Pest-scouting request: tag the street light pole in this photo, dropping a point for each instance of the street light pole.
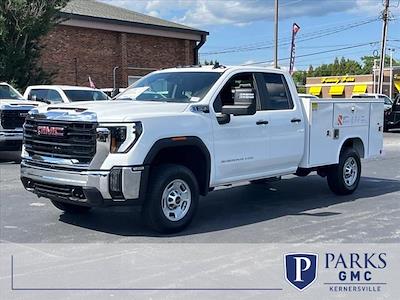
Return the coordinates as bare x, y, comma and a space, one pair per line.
276, 34
374, 74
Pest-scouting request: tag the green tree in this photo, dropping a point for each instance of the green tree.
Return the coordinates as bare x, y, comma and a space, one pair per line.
299, 77
22, 24
368, 63
210, 63
344, 67
337, 68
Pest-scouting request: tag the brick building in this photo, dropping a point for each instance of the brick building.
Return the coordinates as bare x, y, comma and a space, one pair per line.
98, 40
345, 86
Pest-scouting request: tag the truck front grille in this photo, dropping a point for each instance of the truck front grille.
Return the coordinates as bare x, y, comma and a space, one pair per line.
11, 119
67, 140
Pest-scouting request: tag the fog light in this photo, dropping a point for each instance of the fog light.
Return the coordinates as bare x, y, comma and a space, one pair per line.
78, 193
115, 183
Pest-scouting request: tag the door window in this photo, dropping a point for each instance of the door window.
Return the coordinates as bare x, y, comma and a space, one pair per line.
275, 92
41, 95
226, 95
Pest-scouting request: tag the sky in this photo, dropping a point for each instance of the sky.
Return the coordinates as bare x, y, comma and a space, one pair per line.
242, 31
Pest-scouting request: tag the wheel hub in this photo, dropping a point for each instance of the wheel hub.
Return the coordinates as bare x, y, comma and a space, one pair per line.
176, 200
350, 171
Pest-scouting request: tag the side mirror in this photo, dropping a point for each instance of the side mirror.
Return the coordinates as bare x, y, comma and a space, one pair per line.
244, 103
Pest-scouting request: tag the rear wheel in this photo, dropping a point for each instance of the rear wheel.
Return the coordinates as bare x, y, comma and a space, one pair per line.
344, 177
70, 208
172, 199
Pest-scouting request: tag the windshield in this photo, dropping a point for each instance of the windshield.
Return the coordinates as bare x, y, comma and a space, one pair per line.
7, 92
183, 87
84, 95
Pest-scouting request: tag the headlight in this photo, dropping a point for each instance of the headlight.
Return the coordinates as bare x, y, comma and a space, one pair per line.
121, 137
118, 137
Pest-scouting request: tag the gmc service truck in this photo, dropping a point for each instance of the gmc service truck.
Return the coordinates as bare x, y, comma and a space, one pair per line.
178, 133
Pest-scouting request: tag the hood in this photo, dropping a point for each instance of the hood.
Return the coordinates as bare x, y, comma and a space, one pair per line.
112, 111
12, 103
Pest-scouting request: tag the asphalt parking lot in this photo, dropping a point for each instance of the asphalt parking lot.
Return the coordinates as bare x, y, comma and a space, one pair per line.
293, 210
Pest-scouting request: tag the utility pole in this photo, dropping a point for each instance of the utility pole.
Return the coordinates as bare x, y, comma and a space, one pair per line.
385, 17
276, 34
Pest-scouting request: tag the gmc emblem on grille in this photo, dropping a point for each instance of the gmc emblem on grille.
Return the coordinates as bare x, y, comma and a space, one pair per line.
23, 114
50, 131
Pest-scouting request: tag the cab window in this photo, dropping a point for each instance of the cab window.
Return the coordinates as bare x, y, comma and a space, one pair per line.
275, 92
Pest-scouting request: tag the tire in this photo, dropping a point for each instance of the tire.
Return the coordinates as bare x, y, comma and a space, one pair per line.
70, 208
343, 182
172, 198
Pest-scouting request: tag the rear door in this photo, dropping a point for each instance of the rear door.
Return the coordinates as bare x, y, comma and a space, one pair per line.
285, 130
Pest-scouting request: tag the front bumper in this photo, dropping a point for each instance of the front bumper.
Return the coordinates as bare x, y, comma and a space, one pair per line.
11, 140
82, 187
16, 135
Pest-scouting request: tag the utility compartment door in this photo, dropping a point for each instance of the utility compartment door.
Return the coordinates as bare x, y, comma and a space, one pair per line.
322, 145
351, 114
375, 146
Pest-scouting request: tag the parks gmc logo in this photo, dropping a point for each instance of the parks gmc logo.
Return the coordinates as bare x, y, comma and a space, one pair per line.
50, 131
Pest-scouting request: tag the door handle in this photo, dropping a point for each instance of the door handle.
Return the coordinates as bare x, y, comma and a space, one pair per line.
262, 122
294, 120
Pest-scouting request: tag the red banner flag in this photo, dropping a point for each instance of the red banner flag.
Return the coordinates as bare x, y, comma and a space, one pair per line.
296, 28
91, 83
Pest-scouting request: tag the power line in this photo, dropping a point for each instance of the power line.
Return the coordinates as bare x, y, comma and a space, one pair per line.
313, 53
310, 36
304, 32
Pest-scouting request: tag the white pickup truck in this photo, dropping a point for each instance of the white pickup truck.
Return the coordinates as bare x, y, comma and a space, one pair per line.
13, 110
178, 133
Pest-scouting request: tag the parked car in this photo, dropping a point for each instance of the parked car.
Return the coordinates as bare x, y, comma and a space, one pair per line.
13, 110
178, 133
63, 94
307, 96
388, 101
392, 116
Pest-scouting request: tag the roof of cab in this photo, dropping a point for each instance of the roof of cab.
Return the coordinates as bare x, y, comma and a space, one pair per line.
220, 69
62, 87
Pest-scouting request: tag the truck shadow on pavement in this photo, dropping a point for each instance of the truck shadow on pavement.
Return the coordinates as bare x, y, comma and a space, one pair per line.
240, 206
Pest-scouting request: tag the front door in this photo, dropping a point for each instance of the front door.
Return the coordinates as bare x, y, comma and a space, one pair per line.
240, 144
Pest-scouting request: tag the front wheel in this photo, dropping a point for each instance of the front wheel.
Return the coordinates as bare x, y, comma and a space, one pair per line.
172, 199
344, 177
